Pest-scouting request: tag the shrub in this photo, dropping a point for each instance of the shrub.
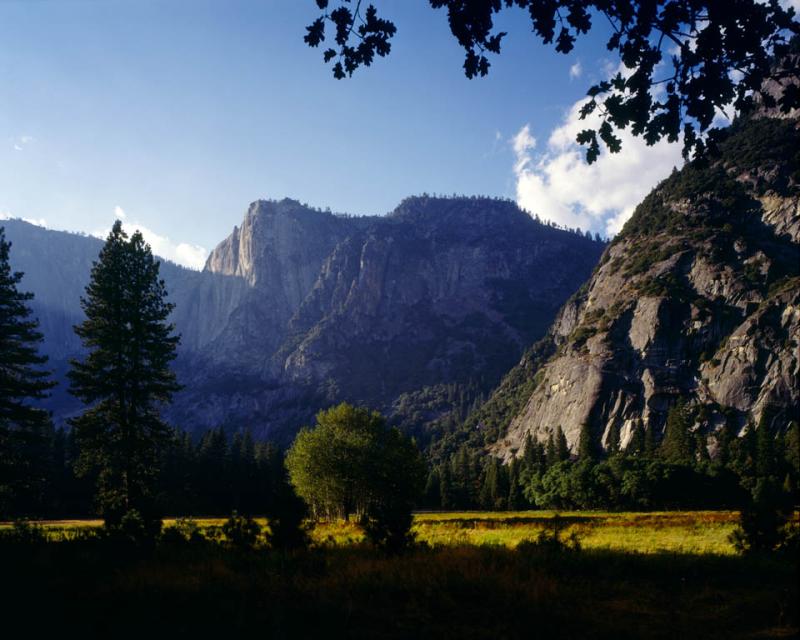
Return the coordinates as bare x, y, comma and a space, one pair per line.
551, 540
185, 530
133, 528
388, 526
241, 532
24, 532
288, 528
764, 521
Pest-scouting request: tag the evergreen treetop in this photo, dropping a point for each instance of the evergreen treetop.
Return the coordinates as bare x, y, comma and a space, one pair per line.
677, 444
23, 427
125, 377
21, 378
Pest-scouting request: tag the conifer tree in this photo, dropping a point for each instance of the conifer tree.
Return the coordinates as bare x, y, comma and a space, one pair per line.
445, 487
677, 444
586, 446
700, 448
24, 429
765, 450
124, 379
489, 490
432, 494
637, 444
550, 456
562, 449
514, 493
792, 445
613, 440
649, 441
723, 439
529, 458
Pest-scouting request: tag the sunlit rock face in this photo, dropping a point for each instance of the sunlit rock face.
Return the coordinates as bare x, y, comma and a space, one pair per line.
697, 299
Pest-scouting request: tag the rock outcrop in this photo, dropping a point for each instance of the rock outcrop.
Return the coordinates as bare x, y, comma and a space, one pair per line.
696, 299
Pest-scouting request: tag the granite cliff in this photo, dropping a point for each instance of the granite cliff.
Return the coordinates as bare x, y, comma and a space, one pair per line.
415, 313
698, 299
395, 312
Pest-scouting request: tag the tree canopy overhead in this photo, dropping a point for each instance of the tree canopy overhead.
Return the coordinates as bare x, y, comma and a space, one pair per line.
682, 61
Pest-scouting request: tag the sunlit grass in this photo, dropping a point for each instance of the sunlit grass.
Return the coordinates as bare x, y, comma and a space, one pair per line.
649, 532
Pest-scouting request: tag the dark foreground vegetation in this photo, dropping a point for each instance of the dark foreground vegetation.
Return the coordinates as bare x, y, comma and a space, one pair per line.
544, 588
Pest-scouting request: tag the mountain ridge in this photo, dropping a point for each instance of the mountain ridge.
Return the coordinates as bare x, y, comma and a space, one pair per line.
709, 260
298, 308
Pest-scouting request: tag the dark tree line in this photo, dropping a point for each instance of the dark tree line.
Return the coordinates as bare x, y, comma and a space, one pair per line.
213, 475
218, 474
676, 472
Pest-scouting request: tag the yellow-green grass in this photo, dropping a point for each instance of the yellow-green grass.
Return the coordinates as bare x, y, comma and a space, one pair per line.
650, 532
696, 532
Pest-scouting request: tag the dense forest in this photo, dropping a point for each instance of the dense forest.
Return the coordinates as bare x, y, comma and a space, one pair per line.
220, 473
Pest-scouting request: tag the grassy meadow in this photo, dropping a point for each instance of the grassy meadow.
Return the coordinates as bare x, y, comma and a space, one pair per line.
478, 575
693, 532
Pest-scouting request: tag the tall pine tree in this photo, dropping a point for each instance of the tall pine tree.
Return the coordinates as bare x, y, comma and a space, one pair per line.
124, 379
587, 449
562, 448
24, 429
613, 444
677, 444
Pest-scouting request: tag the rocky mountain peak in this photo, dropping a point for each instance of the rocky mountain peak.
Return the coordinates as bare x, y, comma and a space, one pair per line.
276, 236
695, 300
461, 215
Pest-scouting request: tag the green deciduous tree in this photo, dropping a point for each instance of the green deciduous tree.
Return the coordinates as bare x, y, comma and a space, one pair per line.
681, 61
24, 429
124, 378
351, 463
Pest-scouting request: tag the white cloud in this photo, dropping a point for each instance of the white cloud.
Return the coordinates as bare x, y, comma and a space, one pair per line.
522, 143
576, 70
558, 184
19, 142
183, 253
39, 222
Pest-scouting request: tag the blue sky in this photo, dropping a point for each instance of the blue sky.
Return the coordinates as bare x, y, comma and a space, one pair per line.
175, 114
